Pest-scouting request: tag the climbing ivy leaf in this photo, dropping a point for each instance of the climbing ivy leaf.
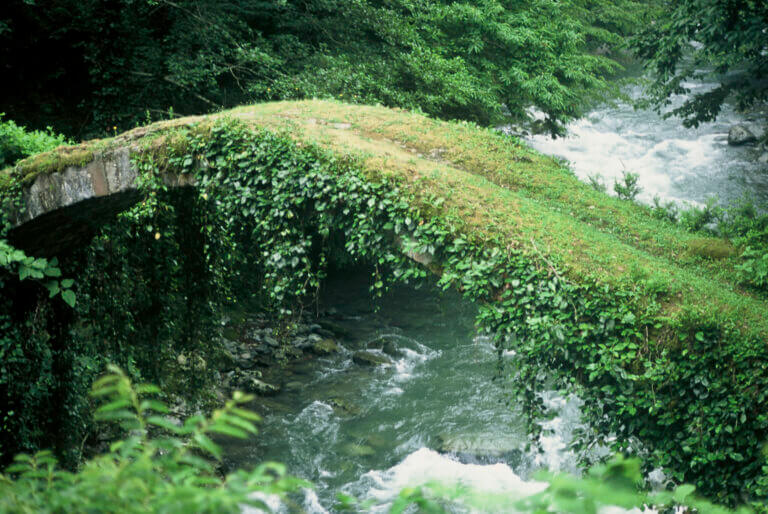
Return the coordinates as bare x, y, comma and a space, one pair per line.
69, 297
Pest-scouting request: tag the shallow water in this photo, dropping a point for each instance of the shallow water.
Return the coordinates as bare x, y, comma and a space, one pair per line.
370, 432
674, 163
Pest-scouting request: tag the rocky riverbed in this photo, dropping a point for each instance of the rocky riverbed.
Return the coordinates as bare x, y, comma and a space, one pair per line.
260, 356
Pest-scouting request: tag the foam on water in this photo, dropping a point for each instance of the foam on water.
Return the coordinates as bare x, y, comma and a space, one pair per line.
425, 466
674, 163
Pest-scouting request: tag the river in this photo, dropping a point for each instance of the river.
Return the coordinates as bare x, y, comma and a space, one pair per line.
685, 165
437, 414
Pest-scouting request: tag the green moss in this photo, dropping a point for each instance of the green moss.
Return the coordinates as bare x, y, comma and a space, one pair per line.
52, 162
714, 249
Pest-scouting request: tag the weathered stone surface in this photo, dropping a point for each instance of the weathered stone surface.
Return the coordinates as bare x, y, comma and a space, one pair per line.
740, 135
65, 208
325, 347
385, 345
371, 358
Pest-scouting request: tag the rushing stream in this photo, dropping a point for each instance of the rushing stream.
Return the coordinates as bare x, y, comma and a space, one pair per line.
674, 163
436, 414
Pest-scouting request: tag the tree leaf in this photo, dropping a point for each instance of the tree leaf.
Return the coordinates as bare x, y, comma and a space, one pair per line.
69, 297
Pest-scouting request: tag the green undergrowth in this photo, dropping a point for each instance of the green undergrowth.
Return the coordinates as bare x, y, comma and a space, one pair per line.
591, 293
160, 464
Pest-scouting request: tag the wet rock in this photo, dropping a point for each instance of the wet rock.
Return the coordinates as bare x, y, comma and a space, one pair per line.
763, 159
335, 328
264, 405
357, 450
263, 349
291, 352
231, 333
370, 358
325, 333
325, 347
294, 386
740, 135
342, 406
385, 345
271, 341
244, 361
249, 382
303, 344
482, 448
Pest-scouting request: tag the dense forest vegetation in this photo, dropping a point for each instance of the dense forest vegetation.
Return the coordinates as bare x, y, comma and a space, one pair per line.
104, 64
152, 285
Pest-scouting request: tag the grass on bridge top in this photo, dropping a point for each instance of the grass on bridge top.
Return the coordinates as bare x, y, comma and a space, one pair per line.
497, 191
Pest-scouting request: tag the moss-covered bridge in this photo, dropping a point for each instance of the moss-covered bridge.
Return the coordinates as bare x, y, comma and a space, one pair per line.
493, 185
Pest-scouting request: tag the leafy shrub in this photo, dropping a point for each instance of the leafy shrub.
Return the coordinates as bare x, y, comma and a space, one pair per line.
596, 181
754, 268
160, 466
17, 143
628, 188
668, 211
696, 218
456, 60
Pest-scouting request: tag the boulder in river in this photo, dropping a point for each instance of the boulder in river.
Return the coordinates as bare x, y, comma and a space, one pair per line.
385, 345
371, 358
483, 448
740, 135
342, 406
357, 450
763, 159
249, 382
325, 347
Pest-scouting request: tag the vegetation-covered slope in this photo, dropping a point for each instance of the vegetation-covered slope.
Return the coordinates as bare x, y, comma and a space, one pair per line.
102, 64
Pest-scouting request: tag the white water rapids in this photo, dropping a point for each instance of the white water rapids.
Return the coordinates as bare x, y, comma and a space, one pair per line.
685, 165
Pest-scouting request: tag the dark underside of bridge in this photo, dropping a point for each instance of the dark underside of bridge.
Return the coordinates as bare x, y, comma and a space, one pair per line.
66, 229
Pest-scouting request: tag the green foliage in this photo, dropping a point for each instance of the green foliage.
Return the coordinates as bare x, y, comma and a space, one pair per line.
748, 229
628, 188
47, 272
456, 60
16, 142
52, 354
596, 182
742, 224
160, 466
27, 360
730, 38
